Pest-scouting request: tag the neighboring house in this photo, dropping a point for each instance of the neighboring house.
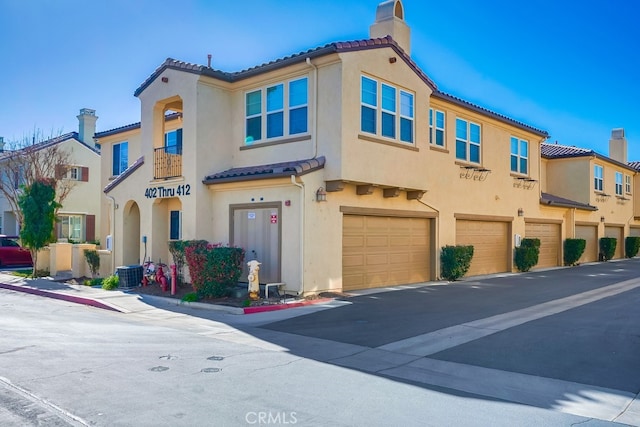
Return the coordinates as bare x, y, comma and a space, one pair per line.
80, 212
595, 191
342, 167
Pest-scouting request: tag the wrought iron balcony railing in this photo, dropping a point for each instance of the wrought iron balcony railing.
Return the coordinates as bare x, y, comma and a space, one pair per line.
167, 162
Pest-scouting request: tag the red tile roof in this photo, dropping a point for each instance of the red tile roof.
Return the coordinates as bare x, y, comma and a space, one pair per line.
274, 170
124, 174
554, 151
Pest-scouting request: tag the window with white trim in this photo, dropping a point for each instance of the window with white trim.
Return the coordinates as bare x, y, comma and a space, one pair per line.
74, 173
618, 183
627, 184
379, 103
436, 127
598, 182
120, 158
467, 141
519, 155
71, 227
276, 111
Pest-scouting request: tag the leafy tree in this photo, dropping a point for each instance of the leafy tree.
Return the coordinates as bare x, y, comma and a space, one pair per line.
34, 158
38, 206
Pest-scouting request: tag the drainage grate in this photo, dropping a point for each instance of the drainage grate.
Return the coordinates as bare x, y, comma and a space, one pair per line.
159, 369
210, 370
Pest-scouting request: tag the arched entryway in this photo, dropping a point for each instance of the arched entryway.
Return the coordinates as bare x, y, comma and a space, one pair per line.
131, 234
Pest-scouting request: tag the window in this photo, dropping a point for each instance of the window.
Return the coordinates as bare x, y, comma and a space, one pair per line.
627, 184
618, 183
394, 110
272, 116
70, 227
175, 227
173, 142
74, 173
519, 155
120, 158
467, 141
436, 127
597, 178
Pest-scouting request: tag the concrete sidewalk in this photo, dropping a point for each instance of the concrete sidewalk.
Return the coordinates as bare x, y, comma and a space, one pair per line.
122, 300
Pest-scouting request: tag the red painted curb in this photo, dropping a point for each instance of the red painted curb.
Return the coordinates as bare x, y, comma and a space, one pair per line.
275, 307
63, 297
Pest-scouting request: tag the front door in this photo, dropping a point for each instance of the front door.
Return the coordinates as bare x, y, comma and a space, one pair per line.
257, 231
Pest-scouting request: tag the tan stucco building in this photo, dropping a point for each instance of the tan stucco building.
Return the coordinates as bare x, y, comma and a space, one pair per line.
80, 214
343, 167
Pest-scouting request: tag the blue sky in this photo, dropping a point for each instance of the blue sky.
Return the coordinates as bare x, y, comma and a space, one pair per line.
568, 68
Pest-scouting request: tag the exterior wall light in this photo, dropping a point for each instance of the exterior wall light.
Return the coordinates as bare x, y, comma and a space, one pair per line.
321, 195
520, 212
601, 219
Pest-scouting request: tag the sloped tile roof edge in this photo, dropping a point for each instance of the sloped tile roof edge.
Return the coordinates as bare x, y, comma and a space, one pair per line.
635, 165
124, 175
131, 126
49, 142
268, 171
487, 112
552, 200
558, 151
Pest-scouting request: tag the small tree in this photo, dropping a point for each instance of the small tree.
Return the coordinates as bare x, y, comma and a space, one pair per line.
93, 259
38, 206
608, 247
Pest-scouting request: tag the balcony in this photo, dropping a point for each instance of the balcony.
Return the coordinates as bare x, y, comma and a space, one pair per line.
167, 162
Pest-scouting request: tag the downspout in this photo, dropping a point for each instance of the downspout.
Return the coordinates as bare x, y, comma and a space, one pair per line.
112, 232
315, 108
437, 227
302, 221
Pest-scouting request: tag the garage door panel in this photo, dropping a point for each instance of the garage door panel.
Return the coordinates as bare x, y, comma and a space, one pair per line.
490, 242
590, 235
550, 238
385, 251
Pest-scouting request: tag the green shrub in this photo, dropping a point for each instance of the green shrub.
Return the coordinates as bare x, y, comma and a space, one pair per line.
526, 255
607, 247
190, 297
455, 261
176, 248
93, 259
93, 282
573, 250
214, 269
631, 246
110, 283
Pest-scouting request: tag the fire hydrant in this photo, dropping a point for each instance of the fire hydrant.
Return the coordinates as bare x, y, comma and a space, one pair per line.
254, 281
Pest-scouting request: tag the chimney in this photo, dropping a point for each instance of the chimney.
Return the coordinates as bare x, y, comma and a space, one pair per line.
390, 22
87, 128
618, 146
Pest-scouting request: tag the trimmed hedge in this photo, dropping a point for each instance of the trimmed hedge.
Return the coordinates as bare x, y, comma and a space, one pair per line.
631, 246
607, 247
573, 250
455, 261
214, 269
527, 254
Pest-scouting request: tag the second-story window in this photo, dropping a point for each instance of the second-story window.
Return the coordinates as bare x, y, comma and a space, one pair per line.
519, 155
120, 158
597, 178
436, 127
467, 141
379, 104
618, 183
271, 116
627, 184
173, 142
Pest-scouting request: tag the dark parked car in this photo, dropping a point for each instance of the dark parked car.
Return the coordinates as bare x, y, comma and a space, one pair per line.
12, 254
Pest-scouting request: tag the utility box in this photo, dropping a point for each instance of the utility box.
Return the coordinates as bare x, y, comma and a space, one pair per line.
130, 276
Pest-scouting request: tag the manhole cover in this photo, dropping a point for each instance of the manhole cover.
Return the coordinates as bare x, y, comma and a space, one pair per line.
159, 369
168, 357
215, 358
210, 370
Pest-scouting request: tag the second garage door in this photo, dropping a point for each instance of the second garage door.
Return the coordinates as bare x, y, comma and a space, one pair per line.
490, 240
383, 251
590, 234
618, 234
549, 235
